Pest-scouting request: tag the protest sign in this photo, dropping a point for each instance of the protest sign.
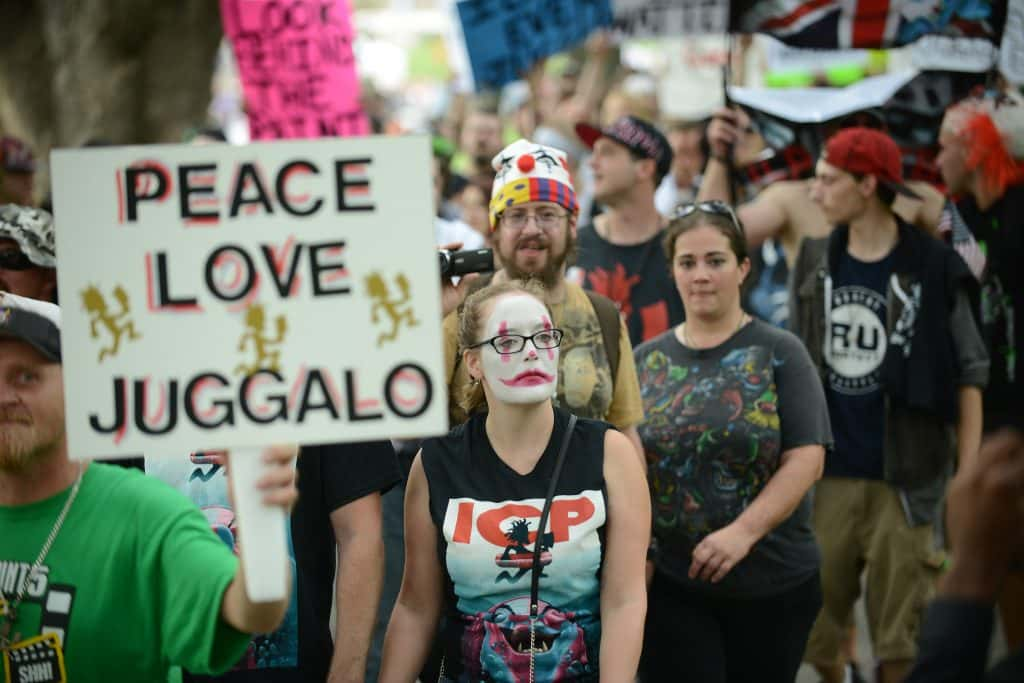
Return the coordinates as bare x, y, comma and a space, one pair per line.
691, 86
297, 67
645, 18
505, 40
945, 53
816, 105
223, 297
1011, 50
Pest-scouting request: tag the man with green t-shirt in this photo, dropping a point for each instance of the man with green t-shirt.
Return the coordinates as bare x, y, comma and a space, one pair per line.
105, 574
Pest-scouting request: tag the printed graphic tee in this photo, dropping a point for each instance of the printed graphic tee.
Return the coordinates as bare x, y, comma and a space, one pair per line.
133, 581
768, 298
486, 515
1000, 233
329, 477
855, 345
635, 277
717, 423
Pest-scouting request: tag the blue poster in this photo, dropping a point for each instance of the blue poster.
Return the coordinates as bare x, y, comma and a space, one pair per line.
504, 40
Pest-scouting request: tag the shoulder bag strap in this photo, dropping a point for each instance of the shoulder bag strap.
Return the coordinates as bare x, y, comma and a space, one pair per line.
535, 578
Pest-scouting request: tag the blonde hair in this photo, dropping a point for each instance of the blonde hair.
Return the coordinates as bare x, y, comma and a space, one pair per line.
471, 319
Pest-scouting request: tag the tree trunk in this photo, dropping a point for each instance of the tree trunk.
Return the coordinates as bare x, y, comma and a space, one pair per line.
114, 71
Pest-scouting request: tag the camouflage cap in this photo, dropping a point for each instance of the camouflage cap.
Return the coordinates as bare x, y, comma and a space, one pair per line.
32, 229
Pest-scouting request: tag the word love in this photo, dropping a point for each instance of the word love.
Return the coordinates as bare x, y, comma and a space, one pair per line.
231, 273
208, 192
209, 400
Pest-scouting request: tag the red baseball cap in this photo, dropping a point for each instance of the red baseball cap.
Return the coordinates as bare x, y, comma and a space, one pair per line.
866, 151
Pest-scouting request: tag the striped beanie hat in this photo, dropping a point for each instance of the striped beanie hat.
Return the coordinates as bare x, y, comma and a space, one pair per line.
528, 172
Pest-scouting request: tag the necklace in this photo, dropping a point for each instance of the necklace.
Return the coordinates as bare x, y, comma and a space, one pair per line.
686, 331
11, 604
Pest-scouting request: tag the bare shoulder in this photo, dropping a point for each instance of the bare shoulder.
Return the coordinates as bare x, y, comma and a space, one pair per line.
619, 455
786, 189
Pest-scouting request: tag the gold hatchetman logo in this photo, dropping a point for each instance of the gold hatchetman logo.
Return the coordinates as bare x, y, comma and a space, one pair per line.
395, 309
102, 318
266, 350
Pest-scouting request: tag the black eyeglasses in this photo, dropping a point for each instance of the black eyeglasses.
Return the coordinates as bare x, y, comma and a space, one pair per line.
507, 344
713, 207
13, 259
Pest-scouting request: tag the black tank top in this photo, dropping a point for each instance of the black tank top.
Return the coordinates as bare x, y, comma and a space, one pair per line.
486, 515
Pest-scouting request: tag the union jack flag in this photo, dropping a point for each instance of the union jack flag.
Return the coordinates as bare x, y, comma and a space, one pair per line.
842, 24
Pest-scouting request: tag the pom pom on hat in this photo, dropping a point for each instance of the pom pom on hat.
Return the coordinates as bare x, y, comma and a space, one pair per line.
528, 172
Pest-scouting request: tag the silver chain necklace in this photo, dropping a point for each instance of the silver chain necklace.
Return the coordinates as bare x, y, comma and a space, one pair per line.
689, 342
11, 609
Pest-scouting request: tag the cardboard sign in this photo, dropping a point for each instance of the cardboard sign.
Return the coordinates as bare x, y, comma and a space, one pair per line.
223, 297
644, 18
505, 40
297, 67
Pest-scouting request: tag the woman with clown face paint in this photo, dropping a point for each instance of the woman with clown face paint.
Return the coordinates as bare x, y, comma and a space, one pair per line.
472, 510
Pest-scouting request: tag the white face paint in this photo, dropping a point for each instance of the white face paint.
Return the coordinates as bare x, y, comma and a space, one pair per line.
530, 375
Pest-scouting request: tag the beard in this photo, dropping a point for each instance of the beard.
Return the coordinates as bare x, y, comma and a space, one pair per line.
550, 273
22, 441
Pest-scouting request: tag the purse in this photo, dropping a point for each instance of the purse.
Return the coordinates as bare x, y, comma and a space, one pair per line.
536, 568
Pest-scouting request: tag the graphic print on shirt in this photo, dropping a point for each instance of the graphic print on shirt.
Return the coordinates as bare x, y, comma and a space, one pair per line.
617, 285
489, 557
204, 482
37, 653
768, 299
855, 342
712, 437
585, 383
997, 307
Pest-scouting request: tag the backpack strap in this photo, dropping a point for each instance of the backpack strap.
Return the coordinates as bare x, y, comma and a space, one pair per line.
611, 327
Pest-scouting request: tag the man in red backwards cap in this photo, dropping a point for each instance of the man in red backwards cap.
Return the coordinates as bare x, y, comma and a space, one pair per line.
885, 312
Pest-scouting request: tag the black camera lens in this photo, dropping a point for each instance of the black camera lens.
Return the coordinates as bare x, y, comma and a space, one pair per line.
457, 263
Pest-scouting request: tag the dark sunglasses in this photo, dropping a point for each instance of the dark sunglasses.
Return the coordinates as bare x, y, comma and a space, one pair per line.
713, 207
13, 259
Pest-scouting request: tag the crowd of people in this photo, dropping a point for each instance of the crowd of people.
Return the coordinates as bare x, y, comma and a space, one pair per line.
694, 420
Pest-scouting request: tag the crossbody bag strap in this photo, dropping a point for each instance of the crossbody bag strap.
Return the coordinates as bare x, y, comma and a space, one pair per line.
535, 575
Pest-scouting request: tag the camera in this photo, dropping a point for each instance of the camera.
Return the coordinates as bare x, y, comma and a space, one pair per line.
457, 263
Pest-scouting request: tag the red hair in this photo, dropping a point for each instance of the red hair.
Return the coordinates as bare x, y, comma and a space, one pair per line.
988, 155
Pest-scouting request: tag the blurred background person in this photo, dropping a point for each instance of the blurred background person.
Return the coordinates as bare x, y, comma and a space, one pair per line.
28, 256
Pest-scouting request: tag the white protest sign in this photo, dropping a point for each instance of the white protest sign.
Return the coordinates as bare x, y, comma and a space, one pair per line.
816, 105
1011, 50
226, 297
948, 53
691, 87
645, 18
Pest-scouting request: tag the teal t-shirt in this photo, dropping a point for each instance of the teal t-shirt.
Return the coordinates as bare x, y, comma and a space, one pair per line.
131, 587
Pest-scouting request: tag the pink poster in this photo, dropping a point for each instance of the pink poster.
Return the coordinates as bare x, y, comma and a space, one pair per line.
297, 66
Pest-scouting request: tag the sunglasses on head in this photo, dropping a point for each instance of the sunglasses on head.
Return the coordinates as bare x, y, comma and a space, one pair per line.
13, 259
713, 207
